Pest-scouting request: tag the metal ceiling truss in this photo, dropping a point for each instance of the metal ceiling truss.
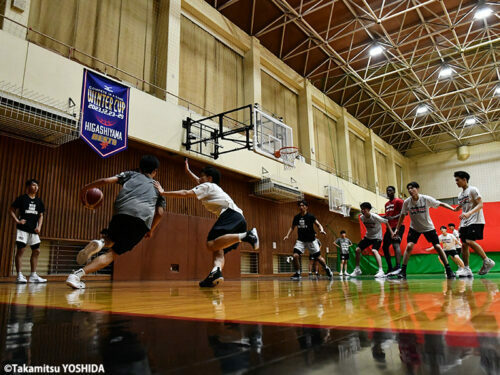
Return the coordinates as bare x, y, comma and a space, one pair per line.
418, 38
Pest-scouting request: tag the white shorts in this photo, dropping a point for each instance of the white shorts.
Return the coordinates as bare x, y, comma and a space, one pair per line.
26, 238
312, 246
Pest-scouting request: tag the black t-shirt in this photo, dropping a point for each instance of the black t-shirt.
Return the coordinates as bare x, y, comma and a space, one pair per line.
29, 210
305, 227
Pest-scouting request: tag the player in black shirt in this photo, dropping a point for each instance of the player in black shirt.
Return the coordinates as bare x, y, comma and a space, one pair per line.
27, 211
304, 222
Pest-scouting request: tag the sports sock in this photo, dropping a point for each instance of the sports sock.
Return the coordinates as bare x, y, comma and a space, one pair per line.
403, 268
215, 269
242, 235
80, 272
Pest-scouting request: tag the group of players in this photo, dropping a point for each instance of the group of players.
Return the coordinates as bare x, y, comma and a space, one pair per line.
417, 206
140, 204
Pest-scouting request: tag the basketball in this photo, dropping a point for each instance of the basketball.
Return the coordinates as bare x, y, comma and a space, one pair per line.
94, 198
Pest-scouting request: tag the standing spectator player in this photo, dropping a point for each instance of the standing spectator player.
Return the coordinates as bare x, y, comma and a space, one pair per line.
343, 243
471, 223
27, 211
393, 209
449, 244
454, 231
304, 221
418, 205
373, 237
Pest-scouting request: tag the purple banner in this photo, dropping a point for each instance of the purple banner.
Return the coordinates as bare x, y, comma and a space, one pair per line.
104, 114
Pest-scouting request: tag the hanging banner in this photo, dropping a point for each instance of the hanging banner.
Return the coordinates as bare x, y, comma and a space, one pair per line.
104, 114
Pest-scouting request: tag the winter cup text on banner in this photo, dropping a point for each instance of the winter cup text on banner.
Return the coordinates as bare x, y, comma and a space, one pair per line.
104, 116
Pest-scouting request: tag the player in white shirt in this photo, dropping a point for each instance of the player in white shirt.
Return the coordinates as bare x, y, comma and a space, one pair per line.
471, 223
418, 205
230, 228
449, 243
373, 237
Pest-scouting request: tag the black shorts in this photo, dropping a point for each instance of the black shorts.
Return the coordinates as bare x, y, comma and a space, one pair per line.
344, 256
230, 222
389, 240
365, 242
125, 231
430, 236
471, 232
452, 253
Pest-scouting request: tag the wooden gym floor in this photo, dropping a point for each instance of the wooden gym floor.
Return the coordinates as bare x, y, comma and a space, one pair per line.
423, 325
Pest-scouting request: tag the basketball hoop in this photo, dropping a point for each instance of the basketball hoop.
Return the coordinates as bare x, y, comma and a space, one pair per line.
346, 210
287, 155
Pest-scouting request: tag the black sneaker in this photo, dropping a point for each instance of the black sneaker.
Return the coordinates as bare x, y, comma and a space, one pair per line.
296, 276
252, 238
214, 278
402, 275
450, 274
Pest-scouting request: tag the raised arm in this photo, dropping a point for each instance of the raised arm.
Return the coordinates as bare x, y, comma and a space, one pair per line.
321, 230
194, 177
97, 183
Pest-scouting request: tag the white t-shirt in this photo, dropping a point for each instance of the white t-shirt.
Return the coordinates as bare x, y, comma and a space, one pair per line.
467, 199
373, 226
449, 241
420, 220
214, 198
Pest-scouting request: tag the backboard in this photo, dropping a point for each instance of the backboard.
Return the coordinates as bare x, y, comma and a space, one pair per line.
270, 135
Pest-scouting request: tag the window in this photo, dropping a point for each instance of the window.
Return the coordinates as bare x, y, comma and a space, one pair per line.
249, 263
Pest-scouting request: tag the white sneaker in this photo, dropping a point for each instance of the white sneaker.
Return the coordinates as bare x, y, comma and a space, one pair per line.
74, 282
380, 274
356, 272
34, 278
92, 247
488, 264
341, 273
461, 272
21, 279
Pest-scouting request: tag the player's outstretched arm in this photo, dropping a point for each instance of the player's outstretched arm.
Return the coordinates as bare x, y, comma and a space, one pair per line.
176, 193
95, 184
194, 177
446, 205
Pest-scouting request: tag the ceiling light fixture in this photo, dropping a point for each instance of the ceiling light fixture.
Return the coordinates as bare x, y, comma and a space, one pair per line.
482, 12
376, 50
445, 72
469, 121
421, 109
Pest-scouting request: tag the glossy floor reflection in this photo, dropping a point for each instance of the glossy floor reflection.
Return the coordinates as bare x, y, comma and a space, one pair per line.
259, 326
